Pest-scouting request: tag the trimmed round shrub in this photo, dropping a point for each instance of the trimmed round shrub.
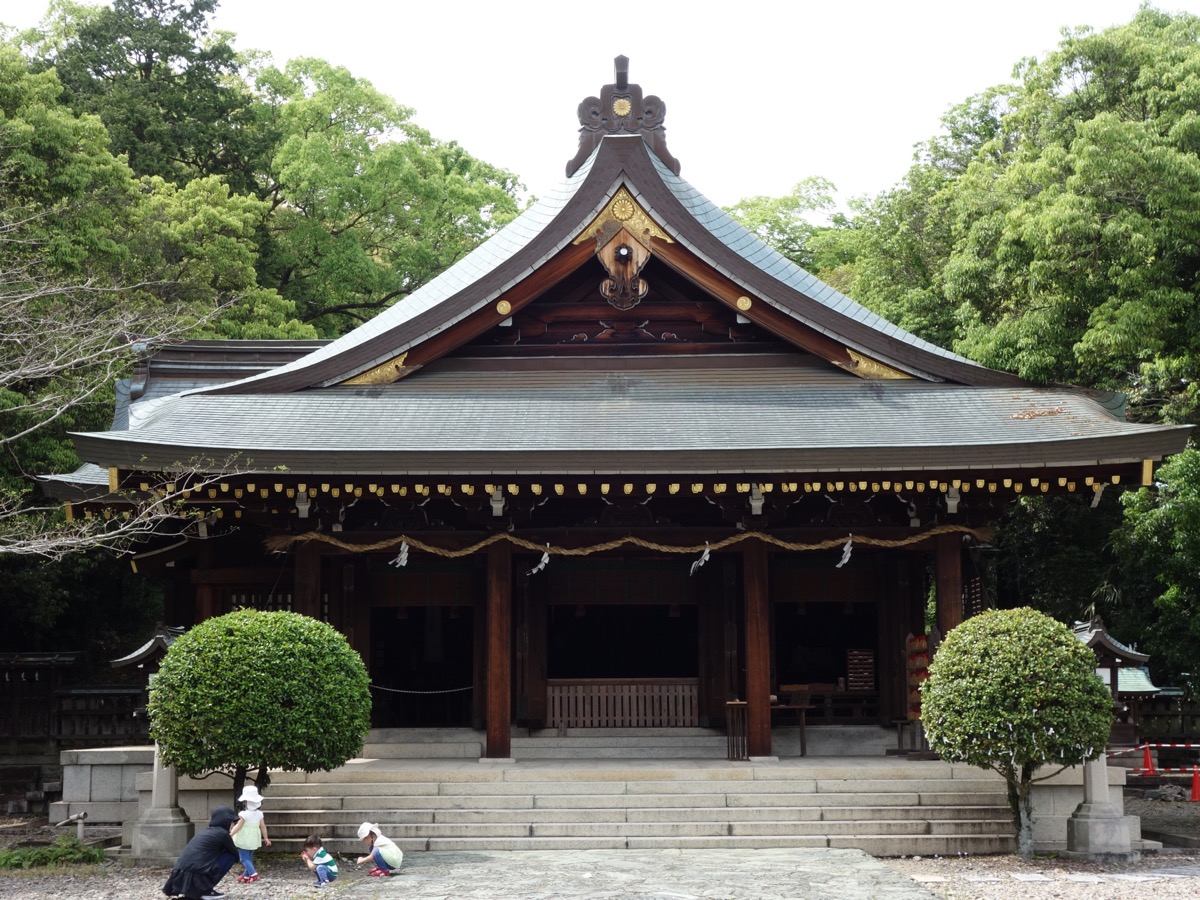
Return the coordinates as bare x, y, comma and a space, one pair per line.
259, 690
1012, 691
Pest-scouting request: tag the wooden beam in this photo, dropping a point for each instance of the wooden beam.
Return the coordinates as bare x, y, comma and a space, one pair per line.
499, 651
238, 575
758, 649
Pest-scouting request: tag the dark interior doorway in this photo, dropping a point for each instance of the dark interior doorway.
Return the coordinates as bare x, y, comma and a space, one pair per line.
813, 641
611, 641
421, 666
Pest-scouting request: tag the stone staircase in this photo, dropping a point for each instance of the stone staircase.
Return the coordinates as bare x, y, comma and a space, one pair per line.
584, 791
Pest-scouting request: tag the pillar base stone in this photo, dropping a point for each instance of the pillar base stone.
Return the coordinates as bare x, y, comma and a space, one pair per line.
1097, 831
162, 833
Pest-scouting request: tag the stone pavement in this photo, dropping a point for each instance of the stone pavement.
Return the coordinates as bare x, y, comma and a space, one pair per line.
794, 874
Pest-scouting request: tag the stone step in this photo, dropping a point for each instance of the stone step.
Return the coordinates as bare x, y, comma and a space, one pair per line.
529, 815
592, 802
591, 769
464, 750
696, 751
635, 741
380, 804
569, 785
876, 845
603, 829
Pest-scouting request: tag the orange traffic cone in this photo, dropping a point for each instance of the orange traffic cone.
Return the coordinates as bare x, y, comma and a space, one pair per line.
1147, 762
1195, 783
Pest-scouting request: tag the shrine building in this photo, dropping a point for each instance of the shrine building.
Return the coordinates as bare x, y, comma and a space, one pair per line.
620, 465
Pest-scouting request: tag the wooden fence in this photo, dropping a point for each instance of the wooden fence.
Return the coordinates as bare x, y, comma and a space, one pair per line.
76, 715
622, 702
1172, 719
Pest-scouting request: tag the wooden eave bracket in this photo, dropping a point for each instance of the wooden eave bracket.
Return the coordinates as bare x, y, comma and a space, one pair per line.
384, 373
870, 369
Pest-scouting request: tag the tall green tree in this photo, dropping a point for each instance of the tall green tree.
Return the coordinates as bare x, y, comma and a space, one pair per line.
1076, 255
905, 236
365, 206
1160, 537
166, 87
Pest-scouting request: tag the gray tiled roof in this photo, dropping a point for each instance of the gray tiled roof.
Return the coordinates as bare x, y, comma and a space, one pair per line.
811, 417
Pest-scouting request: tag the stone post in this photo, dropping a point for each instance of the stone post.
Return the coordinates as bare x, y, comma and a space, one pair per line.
163, 830
1097, 830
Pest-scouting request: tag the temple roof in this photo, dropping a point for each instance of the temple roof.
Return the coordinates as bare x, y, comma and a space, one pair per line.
153, 650
828, 387
1107, 648
553, 224
745, 416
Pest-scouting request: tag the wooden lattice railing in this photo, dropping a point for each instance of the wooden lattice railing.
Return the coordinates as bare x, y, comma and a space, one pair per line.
622, 702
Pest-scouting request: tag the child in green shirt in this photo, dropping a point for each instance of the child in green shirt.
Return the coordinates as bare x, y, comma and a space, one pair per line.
319, 861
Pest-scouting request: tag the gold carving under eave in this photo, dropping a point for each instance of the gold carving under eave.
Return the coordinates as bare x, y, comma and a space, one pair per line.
865, 367
384, 373
623, 211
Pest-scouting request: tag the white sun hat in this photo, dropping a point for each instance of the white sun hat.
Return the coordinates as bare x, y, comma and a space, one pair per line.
251, 795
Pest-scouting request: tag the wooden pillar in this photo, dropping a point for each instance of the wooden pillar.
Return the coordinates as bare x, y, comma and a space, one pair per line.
206, 602
949, 582
758, 649
306, 589
205, 596
499, 651
479, 651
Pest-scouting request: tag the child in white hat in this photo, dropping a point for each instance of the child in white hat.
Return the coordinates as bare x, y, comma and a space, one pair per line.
382, 851
249, 833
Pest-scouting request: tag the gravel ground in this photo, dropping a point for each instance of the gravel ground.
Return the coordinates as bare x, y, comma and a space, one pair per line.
1170, 874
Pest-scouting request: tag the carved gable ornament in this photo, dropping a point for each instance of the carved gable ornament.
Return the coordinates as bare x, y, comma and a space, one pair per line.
622, 232
621, 109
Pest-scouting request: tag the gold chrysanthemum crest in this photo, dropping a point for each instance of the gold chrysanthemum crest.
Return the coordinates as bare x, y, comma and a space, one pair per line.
622, 211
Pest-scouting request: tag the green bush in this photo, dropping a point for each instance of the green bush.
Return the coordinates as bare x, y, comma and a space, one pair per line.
259, 690
64, 851
1013, 691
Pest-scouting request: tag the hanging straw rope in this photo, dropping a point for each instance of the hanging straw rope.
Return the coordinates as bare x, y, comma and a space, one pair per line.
283, 542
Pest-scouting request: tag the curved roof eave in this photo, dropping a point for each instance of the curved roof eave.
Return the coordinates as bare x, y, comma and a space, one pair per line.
518, 249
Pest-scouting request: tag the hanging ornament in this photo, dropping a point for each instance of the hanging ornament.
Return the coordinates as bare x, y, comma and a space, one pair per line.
542, 563
402, 557
701, 561
846, 548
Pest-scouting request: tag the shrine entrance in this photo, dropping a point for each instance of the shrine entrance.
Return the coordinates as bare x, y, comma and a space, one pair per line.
426, 632
616, 641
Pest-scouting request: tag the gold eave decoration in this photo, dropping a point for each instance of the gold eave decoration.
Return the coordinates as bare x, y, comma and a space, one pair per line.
384, 373
622, 211
865, 367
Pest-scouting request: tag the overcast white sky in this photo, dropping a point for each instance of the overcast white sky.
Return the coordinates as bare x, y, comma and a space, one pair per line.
759, 94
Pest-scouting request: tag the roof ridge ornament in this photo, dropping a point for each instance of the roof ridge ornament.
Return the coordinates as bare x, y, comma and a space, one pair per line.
621, 109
